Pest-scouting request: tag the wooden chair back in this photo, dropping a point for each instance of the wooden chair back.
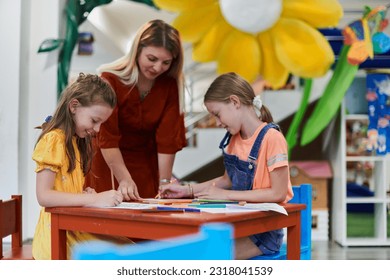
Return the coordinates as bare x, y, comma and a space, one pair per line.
11, 225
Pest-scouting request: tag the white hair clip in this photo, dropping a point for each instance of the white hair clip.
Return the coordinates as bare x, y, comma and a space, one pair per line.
257, 103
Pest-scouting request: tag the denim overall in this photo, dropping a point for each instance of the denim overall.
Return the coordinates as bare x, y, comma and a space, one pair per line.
241, 174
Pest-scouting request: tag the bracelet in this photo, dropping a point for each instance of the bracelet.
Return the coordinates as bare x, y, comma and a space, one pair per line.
165, 181
191, 191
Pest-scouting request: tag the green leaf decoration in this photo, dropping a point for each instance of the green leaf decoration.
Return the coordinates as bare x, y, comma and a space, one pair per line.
291, 136
50, 44
330, 100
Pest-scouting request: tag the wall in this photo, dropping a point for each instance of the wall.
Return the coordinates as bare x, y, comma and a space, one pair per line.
28, 93
10, 14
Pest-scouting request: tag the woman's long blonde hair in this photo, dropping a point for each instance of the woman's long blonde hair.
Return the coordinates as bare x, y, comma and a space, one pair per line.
155, 33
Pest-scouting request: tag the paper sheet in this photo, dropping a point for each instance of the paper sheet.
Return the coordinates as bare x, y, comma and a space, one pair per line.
134, 206
234, 208
230, 208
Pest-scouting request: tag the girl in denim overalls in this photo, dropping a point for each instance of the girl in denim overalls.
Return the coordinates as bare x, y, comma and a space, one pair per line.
255, 158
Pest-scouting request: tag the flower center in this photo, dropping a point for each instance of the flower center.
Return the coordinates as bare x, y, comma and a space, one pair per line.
252, 17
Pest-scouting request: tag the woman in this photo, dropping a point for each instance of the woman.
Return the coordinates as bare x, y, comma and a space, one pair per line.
138, 143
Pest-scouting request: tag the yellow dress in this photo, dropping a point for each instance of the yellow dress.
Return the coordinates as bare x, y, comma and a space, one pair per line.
50, 154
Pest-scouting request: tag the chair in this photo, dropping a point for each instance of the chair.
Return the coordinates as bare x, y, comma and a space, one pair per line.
11, 224
213, 242
302, 194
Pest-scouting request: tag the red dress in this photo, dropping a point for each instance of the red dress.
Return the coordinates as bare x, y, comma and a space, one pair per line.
140, 129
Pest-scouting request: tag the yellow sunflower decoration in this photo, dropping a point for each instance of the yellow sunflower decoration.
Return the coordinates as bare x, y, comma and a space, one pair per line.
258, 37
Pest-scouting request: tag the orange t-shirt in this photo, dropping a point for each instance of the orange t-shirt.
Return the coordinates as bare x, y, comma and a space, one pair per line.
273, 154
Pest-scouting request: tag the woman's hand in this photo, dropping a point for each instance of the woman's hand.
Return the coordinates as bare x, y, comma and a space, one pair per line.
174, 190
129, 190
127, 186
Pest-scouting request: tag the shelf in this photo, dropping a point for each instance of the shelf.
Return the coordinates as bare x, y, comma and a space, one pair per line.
371, 199
361, 185
361, 117
366, 158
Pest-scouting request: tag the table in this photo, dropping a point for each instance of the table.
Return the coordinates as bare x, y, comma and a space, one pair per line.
138, 224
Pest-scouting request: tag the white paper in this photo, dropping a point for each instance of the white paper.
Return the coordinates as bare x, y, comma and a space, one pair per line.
248, 207
262, 207
134, 206
230, 208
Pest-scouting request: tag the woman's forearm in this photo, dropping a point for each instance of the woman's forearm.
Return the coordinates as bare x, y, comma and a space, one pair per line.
115, 162
165, 165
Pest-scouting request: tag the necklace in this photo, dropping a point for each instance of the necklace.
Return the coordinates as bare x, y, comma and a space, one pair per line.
144, 93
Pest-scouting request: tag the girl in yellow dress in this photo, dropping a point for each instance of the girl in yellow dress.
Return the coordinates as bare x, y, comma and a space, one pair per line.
63, 155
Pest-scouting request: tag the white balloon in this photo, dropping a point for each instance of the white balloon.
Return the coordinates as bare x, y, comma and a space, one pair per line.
251, 16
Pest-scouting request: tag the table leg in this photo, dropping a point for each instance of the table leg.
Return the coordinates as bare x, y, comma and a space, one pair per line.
294, 239
58, 239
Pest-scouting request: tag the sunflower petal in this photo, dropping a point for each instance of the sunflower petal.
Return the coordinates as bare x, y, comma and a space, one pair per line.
207, 48
194, 23
302, 49
318, 13
181, 5
240, 53
271, 68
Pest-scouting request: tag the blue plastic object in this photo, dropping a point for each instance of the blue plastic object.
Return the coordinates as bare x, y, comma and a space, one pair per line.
303, 195
213, 242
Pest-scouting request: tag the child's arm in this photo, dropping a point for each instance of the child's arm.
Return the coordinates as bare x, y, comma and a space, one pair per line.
277, 192
47, 197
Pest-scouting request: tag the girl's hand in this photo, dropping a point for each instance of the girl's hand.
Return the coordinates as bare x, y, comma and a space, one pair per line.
129, 190
89, 190
107, 199
212, 192
174, 190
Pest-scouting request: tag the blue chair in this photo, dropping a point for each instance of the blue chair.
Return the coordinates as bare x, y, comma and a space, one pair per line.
302, 194
213, 242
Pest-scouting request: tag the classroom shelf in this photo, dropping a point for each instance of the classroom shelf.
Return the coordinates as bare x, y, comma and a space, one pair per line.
359, 220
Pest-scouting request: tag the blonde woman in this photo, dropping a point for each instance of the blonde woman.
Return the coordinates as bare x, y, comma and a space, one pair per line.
138, 143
